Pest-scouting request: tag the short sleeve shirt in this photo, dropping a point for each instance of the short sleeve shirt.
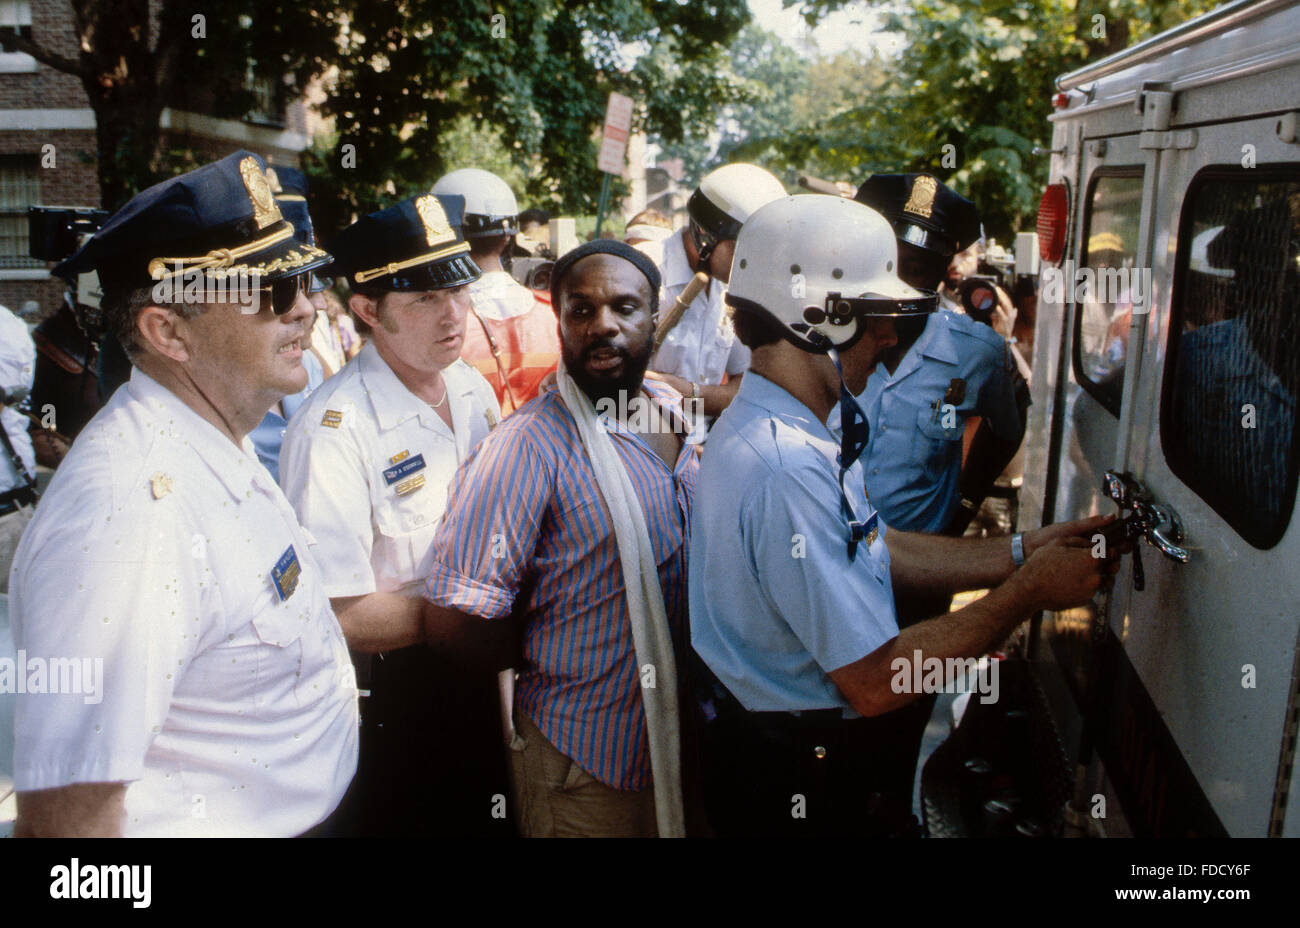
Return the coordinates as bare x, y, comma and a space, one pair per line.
703, 345
198, 658
776, 603
913, 457
366, 464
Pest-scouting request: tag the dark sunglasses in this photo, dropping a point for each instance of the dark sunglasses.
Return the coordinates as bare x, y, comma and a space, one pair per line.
284, 293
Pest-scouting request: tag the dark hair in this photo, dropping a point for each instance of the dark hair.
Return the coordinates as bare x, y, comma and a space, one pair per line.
374, 293
539, 216
756, 328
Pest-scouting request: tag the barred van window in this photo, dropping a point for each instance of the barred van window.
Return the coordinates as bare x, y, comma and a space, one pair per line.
1110, 244
1228, 423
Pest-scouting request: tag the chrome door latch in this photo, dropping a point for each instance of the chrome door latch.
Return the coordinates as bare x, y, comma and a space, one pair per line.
1158, 523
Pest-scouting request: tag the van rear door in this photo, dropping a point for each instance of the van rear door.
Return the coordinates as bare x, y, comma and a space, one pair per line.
1213, 438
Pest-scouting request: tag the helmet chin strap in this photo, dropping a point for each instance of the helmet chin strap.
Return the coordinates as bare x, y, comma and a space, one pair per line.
703, 250
854, 433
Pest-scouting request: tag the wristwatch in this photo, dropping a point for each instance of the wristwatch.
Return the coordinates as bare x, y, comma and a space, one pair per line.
695, 390
1018, 549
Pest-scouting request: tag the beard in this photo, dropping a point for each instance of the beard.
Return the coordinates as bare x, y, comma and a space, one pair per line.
600, 386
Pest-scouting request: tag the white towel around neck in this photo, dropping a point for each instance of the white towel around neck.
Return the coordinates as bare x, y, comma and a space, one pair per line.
651, 636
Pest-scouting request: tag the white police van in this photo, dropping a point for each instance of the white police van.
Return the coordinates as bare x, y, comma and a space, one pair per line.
1166, 380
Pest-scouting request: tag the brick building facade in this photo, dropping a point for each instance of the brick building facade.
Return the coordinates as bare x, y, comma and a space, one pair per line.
48, 150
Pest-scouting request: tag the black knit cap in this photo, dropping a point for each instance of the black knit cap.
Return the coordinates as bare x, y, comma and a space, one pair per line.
605, 246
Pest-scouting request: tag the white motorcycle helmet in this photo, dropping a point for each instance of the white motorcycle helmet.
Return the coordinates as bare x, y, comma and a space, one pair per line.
490, 204
725, 199
820, 265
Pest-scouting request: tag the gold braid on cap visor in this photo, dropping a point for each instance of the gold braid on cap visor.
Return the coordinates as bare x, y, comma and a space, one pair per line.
219, 258
362, 276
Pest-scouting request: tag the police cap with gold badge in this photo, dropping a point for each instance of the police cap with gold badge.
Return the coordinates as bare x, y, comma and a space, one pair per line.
924, 211
219, 220
415, 245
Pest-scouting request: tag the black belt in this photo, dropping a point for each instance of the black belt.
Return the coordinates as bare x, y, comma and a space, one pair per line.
15, 498
726, 708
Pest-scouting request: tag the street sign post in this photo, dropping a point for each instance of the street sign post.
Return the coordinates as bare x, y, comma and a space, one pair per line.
613, 147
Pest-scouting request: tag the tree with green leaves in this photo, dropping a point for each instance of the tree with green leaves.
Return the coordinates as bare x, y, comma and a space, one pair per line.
136, 57
398, 76
969, 96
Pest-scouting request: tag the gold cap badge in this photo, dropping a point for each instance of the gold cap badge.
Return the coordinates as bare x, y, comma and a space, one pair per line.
265, 211
436, 227
921, 200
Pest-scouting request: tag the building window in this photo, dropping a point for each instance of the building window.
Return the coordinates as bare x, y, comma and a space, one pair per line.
16, 19
20, 187
1228, 414
1114, 205
268, 107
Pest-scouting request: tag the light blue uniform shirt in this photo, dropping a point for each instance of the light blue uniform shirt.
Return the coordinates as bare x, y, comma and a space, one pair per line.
776, 604
269, 434
913, 457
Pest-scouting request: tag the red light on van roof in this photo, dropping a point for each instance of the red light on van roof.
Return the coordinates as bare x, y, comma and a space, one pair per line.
1060, 101
1053, 219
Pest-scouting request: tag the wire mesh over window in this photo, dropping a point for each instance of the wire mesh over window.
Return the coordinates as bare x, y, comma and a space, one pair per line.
20, 187
1110, 244
1229, 411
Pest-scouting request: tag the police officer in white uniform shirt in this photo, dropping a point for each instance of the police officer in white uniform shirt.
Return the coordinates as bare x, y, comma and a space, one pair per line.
366, 463
701, 347
185, 674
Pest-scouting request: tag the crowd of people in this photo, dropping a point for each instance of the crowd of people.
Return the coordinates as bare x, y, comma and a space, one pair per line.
631, 553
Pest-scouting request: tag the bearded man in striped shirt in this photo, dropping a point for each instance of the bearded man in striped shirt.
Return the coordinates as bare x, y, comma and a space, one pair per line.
569, 524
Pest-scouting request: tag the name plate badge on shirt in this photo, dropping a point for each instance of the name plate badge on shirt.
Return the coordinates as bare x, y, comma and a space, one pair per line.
403, 466
873, 530
285, 574
410, 486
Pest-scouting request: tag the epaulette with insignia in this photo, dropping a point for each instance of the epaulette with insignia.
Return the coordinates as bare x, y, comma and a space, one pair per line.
332, 418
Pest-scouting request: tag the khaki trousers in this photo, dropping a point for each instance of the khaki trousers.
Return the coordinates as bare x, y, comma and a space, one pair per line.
11, 530
555, 798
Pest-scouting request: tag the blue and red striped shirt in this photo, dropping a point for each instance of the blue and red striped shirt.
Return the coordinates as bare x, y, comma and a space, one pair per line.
525, 514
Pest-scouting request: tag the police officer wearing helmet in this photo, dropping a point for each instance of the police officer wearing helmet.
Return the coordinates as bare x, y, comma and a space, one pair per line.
794, 621
366, 463
701, 348
511, 339
164, 552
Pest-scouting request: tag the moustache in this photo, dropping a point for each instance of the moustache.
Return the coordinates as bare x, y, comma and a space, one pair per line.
603, 346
